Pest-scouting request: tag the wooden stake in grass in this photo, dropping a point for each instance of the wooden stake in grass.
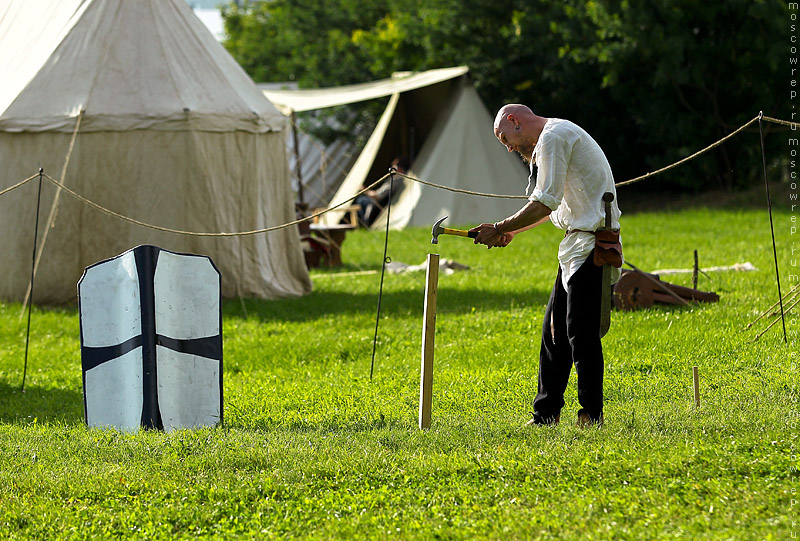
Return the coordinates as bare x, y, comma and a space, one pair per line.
428, 332
696, 378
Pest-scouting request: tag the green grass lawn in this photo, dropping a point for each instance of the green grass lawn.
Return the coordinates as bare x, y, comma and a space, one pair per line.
311, 448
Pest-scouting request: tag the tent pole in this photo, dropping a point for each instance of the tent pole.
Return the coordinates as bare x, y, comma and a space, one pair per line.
771, 226
383, 270
33, 267
297, 165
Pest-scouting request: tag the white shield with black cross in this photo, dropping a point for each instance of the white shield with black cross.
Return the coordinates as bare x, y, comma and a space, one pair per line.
151, 341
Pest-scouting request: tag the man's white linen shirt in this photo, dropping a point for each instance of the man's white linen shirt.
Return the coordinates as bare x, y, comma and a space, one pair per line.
573, 174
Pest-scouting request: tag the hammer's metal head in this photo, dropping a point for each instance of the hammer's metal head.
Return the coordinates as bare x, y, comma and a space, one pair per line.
437, 230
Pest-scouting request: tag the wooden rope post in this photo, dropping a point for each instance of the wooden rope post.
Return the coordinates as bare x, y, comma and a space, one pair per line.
696, 378
428, 333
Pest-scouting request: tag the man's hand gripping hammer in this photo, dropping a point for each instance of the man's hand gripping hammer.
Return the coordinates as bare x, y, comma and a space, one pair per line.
439, 230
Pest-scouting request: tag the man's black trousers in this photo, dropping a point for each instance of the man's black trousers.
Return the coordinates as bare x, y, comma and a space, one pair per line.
571, 335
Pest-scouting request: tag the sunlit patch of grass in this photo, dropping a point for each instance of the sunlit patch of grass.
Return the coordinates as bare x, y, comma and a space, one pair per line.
311, 448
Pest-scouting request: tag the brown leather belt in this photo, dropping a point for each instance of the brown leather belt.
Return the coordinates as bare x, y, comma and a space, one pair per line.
571, 231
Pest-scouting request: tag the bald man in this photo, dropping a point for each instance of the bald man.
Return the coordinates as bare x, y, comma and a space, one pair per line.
572, 176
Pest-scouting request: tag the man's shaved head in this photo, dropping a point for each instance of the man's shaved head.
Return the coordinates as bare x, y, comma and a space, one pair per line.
518, 129
515, 109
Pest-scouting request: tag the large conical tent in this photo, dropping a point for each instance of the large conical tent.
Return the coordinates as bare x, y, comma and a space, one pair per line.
137, 107
437, 119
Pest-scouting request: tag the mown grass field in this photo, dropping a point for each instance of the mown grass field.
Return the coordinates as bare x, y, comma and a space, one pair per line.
311, 448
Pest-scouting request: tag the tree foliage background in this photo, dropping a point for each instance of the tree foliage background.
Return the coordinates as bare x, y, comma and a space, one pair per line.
651, 81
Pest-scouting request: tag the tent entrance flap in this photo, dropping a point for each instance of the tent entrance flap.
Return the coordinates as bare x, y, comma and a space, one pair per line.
437, 120
458, 151
358, 174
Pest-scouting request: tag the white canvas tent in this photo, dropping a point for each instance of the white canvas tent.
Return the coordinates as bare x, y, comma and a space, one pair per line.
437, 119
171, 132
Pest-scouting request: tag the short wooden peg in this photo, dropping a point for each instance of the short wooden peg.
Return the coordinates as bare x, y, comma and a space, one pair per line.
428, 333
696, 378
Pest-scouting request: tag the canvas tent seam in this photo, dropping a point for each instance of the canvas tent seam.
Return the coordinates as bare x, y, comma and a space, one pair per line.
170, 74
103, 60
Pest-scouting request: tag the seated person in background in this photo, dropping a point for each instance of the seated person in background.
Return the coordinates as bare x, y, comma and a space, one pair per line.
373, 201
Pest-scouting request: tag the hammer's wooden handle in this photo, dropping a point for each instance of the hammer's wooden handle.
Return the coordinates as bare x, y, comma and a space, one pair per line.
459, 232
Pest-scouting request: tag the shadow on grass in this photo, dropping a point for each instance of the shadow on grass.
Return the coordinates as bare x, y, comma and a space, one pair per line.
43, 405
318, 305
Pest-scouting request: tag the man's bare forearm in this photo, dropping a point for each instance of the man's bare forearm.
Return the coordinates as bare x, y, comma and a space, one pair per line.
531, 215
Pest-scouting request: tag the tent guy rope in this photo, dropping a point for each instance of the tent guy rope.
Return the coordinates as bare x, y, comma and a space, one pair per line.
37, 255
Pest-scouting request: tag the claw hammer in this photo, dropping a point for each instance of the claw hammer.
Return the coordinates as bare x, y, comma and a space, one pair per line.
439, 230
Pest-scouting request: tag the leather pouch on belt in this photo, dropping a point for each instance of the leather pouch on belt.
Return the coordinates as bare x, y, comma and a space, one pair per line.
607, 248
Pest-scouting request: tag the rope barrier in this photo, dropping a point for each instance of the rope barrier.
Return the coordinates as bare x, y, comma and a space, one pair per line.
458, 190
18, 184
794, 125
206, 234
693, 156
74, 194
